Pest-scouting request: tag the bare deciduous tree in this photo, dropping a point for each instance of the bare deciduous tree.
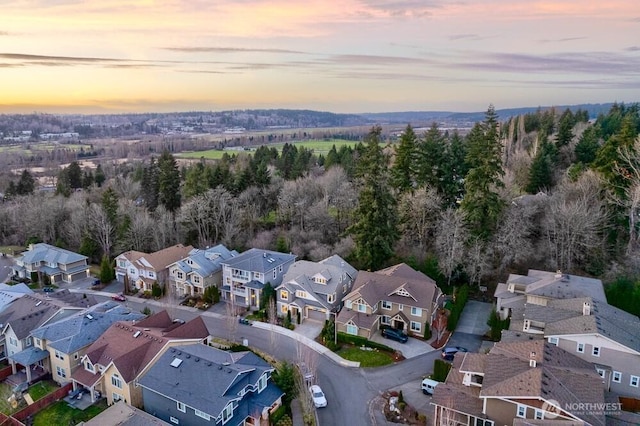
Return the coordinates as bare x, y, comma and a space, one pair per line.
451, 235
629, 167
419, 213
512, 240
476, 261
102, 229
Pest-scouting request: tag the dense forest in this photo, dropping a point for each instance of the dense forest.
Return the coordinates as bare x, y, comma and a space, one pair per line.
554, 190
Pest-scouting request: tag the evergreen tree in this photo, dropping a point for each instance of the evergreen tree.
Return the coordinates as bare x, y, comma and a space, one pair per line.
588, 145
110, 205
542, 168
149, 185
195, 182
454, 169
431, 155
26, 184
565, 128
106, 270
484, 156
375, 230
99, 176
608, 159
11, 191
74, 175
168, 182
62, 184
403, 171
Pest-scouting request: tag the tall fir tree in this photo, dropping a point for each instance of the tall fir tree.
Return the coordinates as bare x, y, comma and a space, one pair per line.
403, 171
542, 167
149, 185
168, 182
431, 150
375, 230
481, 202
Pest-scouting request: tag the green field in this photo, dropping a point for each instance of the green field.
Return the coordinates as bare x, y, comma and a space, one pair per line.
318, 146
31, 147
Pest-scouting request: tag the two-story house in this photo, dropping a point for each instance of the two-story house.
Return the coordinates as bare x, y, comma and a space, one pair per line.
200, 385
540, 286
315, 289
26, 314
520, 382
398, 297
201, 269
593, 330
64, 343
60, 265
245, 275
145, 269
113, 363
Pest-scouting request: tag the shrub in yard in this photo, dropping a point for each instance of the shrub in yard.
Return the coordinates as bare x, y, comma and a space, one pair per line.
440, 370
427, 331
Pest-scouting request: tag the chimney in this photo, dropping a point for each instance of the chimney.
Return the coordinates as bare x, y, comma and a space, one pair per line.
264, 255
532, 359
586, 308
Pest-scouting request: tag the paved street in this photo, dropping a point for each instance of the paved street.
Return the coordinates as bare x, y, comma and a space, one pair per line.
5, 268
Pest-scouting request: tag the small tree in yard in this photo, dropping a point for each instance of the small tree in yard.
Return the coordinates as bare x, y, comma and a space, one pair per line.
156, 290
211, 295
440, 370
106, 270
427, 331
127, 289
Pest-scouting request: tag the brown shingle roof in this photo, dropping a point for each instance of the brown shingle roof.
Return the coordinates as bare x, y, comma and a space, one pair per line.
163, 258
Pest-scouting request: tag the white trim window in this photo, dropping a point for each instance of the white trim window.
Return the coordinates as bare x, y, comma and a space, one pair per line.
116, 381
521, 411
386, 305
61, 372
580, 348
202, 414
400, 307
352, 329
348, 304
539, 415
116, 397
633, 381
362, 307
385, 319
59, 355
275, 274
616, 377
262, 383
416, 312
601, 372
174, 420
416, 326
553, 340
181, 406
227, 413
595, 351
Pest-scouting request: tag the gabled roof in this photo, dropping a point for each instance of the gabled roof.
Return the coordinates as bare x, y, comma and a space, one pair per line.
206, 378
259, 260
392, 284
159, 260
123, 414
42, 252
131, 347
559, 286
205, 262
82, 329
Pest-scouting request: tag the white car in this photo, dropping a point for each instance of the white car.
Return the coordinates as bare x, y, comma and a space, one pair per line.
318, 396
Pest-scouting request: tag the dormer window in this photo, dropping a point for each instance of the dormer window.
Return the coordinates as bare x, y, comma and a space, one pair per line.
320, 280
262, 383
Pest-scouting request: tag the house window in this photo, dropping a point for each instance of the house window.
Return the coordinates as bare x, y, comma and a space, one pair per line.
633, 381
115, 381
521, 411
362, 307
203, 415
416, 326
601, 372
122, 263
301, 294
151, 274
386, 305
483, 422
347, 304
89, 367
227, 413
29, 341
539, 414
400, 307
182, 407
580, 348
595, 351
116, 397
61, 372
331, 298
553, 340
174, 420
75, 355
284, 308
13, 341
196, 279
416, 312
352, 329
280, 268
385, 319
617, 377
39, 343
275, 273
59, 355
132, 271
262, 383
284, 295
180, 275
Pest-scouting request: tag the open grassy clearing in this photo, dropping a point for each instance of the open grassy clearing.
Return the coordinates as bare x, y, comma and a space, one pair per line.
319, 146
31, 147
367, 358
59, 413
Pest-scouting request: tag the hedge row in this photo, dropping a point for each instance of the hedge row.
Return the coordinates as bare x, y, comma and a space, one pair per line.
461, 296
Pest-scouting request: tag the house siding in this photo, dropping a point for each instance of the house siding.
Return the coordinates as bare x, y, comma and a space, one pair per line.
165, 408
503, 412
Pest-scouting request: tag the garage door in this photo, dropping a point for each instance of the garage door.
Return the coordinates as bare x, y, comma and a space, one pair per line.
316, 315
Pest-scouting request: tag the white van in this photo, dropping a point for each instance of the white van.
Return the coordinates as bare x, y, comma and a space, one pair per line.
428, 386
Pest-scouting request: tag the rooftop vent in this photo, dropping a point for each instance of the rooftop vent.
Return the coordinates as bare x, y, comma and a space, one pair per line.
137, 333
89, 316
39, 303
176, 362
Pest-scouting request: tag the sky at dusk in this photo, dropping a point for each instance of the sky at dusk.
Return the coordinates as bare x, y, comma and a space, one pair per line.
109, 56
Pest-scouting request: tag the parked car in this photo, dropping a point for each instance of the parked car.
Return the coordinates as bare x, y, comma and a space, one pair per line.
48, 289
96, 282
319, 399
394, 334
428, 386
119, 297
449, 352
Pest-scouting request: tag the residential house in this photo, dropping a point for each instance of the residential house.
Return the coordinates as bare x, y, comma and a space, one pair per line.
201, 269
59, 265
113, 363
144, 269
247, 274
201, 385
27, 313
540, 286
593, 330
315, 289
398, 297
9, 293
521, 382
122, 414
62, 344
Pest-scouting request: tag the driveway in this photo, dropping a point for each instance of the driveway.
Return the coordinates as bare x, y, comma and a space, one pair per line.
472, 326
5, 267
413, 347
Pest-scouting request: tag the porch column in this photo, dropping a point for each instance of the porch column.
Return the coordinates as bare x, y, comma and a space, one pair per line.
14, 370
28, 374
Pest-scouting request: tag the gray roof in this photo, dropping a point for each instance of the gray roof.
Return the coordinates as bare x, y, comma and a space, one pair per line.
206, 262
206, 378
259, 260
122, 414
560, 286
29, 356
47, 253
84, 328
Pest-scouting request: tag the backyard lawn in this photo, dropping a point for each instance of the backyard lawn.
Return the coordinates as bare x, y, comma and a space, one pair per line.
59, 413
367, 358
